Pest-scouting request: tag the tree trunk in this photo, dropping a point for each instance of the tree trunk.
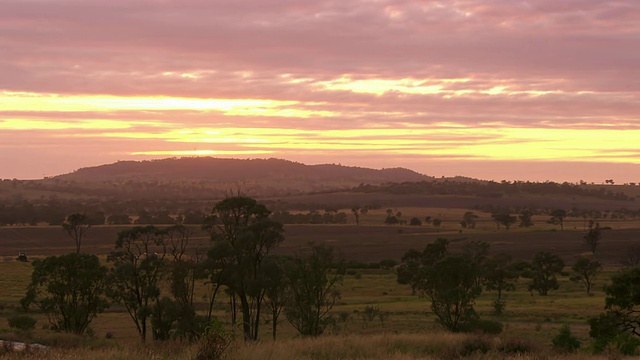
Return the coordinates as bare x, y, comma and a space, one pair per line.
246, 318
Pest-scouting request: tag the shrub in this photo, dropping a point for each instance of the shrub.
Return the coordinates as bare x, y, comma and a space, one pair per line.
387, 263
565, 342
22, 322
626, 344
473, 345
213, 345
623, 344
498, 306
516, 347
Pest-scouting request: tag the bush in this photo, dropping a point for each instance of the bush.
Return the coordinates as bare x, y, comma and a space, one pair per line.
623, 344
387, 264
516, 347
498, 306
626, 344
565, 342
475, 345
22, 322
214, 343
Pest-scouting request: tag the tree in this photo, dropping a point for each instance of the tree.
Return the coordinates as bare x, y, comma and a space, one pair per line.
137, 270
503, 218
415, 222
557, 218
182, 272
451, 284
276, 289
632, 257
585, 271
436, 223
500, 275
391, 220
76, 225
357, 212
245, 232
623, 300
69, 289
408, 271
313, 281
593, 236
545, 268
469, 220
119, 219
525, 218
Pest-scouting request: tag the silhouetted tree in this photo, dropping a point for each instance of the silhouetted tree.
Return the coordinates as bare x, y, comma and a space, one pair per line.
545, 268
593, 236
137, 270
313, 281
69, 290
76, 225
503, 218
525, 218
469, 220
557, 218
585, 271
246, 234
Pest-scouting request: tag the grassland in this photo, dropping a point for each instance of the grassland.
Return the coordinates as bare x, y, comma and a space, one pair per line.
406, 331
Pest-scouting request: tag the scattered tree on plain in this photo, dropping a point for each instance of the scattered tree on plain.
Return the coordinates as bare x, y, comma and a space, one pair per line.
593, 236
585, 271
313, 284
137, 271
276, 287
504, 219
408, 272
525, 218
77, 225
469, 220
246, 235
69, 290
451, 282
557, 218
357, 212
500, 275
544, 272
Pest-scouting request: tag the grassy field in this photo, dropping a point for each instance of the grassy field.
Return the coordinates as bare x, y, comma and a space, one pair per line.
406, 331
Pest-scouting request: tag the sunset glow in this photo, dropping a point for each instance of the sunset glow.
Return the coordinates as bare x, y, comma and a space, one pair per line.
439, 87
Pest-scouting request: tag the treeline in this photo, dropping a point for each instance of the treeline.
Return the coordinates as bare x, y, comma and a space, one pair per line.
492, 189
54, 212
140, 189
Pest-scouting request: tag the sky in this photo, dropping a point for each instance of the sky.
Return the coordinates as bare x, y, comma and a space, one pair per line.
492, 89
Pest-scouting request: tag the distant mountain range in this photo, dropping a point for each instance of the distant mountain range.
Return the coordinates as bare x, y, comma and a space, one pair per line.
205, 180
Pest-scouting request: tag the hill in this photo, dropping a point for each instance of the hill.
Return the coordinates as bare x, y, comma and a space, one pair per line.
237, 170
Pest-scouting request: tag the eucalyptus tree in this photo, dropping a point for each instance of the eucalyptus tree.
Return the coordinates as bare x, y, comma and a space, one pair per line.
242, 236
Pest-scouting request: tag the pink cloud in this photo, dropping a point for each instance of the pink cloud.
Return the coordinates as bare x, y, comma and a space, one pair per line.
563, 65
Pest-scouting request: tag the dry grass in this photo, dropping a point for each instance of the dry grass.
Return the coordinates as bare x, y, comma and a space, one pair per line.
441, 346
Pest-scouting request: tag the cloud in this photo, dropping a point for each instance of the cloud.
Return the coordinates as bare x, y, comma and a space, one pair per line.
364, 77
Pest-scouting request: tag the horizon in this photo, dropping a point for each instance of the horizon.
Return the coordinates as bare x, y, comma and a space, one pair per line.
520, 90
